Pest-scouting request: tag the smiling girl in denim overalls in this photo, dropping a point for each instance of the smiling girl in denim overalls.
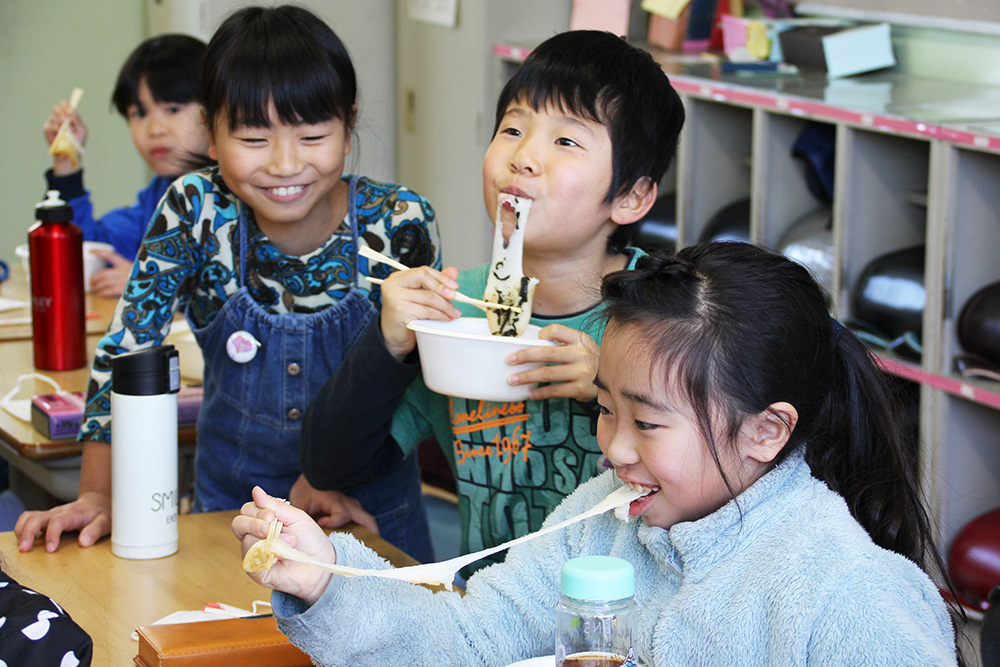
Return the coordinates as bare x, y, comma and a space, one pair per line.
260, 253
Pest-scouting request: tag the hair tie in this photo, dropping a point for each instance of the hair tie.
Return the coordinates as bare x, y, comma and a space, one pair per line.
837, 328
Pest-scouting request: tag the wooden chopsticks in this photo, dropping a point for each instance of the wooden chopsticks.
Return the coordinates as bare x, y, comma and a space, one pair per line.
374, 255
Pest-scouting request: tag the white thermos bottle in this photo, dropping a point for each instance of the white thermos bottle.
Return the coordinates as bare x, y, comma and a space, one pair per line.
144, 386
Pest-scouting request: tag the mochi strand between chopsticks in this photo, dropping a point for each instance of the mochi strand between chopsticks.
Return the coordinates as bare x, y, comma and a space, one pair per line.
442, 573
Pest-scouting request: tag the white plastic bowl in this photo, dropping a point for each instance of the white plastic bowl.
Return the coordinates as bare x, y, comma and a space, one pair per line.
462, 358
91, 263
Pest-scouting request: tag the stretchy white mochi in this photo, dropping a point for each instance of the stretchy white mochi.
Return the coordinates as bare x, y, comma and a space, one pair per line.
507, 283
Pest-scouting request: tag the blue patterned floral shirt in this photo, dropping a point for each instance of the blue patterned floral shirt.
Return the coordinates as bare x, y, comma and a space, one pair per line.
189, 262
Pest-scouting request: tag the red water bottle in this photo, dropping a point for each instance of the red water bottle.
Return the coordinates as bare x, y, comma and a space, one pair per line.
58, 320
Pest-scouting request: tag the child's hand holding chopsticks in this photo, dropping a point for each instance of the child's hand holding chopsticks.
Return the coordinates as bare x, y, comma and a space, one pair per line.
66, 135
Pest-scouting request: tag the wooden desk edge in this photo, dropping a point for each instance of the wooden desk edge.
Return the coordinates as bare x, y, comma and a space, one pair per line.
395, 556
66, 448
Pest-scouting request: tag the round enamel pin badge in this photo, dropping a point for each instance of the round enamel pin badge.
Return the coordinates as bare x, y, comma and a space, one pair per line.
242, 347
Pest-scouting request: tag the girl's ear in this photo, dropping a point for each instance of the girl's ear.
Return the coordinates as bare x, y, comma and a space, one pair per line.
630, 207
212, 151
349, 129
770, 431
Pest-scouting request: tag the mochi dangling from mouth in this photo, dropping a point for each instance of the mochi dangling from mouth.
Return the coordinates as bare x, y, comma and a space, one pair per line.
506, 283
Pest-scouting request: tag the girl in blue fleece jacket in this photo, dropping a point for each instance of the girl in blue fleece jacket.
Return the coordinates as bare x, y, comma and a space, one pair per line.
783, 525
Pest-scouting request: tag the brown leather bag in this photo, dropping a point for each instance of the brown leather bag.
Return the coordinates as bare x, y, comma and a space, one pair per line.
227, 642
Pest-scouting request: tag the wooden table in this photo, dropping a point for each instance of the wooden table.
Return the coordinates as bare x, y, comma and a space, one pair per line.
109, 596
51, 465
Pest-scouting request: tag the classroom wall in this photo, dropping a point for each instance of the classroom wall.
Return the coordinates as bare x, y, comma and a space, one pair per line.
47, 49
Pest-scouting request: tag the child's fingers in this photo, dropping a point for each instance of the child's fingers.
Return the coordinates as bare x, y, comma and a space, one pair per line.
560, 333
574, 346
565, 381
264, 501
246, 526
424, 278
568, 369
255, 516
109, 256
418, 294
422, 293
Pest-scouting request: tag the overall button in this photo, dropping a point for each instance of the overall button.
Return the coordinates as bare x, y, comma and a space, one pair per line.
294, 413
293, 368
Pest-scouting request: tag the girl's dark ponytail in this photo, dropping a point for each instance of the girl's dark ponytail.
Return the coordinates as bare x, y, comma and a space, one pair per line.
861, 451
873, 464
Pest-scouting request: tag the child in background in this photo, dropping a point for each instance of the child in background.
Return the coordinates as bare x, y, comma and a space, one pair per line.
157, 93
784, 524
585, 129
261, 254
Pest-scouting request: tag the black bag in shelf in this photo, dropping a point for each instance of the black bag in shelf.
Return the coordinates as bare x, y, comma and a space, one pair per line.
889, 300
729, 223
979, 323
816, 146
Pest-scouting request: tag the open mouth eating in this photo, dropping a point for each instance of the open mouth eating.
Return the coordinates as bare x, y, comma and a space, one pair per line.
635, 508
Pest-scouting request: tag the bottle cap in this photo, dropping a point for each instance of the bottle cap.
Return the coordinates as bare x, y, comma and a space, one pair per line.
53, 209
598, 578
148, 372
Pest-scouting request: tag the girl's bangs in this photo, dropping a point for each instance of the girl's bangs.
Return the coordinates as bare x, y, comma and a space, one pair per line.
299, 95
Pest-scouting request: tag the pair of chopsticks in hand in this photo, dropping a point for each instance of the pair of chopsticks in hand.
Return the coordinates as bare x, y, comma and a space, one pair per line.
365, 251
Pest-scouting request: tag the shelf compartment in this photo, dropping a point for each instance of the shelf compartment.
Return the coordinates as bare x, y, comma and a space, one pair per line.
966, 467
971, 237
873, 215
775, 211
711, 164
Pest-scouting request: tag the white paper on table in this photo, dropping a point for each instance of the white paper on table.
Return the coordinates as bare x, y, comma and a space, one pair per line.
215, 611
11, 304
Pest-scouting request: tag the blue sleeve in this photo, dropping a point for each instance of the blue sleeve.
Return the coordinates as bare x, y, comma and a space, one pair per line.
122, 227
155, 291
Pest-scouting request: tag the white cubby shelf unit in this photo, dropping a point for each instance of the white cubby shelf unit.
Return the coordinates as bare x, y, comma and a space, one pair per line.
917, 164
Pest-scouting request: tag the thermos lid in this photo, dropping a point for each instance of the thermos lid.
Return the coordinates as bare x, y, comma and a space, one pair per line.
148, 372
53, 209
598, 578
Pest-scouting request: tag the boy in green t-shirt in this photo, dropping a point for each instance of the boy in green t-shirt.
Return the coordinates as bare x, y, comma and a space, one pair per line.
585, 129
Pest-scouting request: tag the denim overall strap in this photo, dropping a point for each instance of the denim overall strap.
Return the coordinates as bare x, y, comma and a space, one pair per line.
251, 415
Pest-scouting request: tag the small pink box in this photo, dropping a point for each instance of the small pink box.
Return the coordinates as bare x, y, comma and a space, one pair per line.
58, 416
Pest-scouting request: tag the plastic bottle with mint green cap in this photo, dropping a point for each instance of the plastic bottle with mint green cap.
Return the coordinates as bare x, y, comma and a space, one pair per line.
596, 616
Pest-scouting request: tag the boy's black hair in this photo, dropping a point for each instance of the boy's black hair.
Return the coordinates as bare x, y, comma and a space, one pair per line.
600, 77
170, 65
286, 55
